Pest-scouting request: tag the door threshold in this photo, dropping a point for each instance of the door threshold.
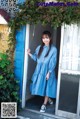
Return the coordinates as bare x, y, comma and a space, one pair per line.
45, 114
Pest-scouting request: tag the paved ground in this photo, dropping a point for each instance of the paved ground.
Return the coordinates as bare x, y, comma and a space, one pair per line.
36, 102
32, 114
27, 114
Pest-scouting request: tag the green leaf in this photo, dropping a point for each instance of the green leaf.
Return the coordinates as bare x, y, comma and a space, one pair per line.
1, 77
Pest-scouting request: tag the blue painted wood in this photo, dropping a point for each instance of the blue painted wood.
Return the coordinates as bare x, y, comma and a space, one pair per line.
19, 56
20, 1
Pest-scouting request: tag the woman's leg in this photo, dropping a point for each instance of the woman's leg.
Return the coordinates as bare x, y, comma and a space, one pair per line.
50, 101
43, 107
45, 100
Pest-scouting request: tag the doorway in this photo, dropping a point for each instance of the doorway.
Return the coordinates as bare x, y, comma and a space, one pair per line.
35, 32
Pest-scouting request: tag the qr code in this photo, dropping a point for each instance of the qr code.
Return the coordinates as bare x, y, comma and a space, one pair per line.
8, 110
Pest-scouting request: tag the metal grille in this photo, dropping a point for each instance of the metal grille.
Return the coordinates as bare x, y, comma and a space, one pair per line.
9, 6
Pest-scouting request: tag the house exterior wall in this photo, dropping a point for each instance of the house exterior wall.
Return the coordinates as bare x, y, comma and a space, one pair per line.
4, 34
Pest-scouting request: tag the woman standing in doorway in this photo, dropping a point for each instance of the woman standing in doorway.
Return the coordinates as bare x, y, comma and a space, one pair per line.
44, 79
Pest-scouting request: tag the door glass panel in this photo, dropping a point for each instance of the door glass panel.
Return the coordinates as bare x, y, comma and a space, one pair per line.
68, 96
71, 48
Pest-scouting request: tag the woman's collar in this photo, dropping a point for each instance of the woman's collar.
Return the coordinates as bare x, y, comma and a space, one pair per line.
46, 45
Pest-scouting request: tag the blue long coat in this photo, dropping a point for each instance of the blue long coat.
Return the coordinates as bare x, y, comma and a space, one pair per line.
41, 86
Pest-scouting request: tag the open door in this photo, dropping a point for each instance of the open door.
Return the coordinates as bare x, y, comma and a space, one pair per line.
68, 89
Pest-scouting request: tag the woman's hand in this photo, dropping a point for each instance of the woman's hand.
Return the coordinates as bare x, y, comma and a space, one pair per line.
28, 51
48, 75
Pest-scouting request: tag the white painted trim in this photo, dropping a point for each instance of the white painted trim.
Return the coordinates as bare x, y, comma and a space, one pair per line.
70, 72
78, 103
59, 74
2, 20
25, 66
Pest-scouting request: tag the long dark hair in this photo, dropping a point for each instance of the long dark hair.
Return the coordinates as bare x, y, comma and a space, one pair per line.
42, 45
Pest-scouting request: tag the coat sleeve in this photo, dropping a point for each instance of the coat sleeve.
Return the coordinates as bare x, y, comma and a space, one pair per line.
34, 55
53, 60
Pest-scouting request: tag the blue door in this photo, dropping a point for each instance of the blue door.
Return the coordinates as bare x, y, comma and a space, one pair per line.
19, 54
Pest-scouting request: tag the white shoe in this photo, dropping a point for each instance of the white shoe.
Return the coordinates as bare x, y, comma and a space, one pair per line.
50, 101
43, 108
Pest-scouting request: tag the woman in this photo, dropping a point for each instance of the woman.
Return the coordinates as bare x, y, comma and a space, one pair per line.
44, 79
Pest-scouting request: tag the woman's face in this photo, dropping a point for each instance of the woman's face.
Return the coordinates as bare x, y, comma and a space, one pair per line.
46, 39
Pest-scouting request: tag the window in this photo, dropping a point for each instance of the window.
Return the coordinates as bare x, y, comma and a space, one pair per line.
71, 48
